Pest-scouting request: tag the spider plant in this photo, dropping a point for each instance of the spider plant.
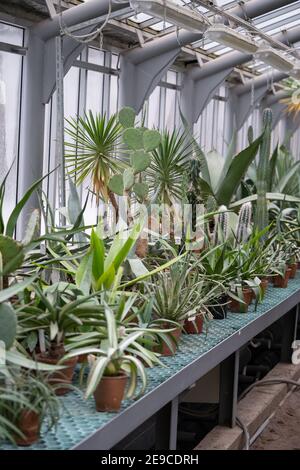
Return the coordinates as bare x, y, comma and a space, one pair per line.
37, 403
93, 151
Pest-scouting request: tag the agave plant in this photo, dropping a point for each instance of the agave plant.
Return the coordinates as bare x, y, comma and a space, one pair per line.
93, 151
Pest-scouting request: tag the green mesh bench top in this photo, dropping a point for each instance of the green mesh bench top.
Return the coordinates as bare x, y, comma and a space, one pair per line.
82, 427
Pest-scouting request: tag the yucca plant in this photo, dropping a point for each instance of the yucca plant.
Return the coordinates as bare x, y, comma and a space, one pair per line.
168, 165
94, 152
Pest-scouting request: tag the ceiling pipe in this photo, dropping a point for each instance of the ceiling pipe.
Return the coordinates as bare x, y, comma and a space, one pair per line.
259, 82
258, 7
75, 15
183, 38
275, 97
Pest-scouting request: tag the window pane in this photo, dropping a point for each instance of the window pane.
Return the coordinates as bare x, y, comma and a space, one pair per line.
10, 82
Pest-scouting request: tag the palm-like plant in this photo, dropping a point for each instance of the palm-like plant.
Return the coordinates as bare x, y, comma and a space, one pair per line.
93, 151
169, 163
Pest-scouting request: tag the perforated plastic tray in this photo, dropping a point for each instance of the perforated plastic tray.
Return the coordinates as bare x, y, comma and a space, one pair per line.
80, 419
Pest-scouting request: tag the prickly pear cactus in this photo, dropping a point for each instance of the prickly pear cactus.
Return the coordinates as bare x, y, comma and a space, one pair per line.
262, 217
8, 325
244, 223
140, 142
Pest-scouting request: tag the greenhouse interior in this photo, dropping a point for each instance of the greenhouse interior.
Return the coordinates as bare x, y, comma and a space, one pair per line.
150, 227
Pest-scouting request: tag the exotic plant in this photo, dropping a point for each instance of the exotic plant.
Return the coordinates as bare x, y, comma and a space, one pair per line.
139, 143
169, 162
291, 86
31, 402
93, 152
53, 312
262, 216
221, 227
243, 229
114, 355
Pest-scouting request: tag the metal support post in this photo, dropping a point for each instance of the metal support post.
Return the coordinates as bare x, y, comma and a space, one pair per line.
60, 151
166, 426
229, 371
289, 322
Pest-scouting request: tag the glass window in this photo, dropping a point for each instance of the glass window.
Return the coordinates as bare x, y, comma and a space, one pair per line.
10, 99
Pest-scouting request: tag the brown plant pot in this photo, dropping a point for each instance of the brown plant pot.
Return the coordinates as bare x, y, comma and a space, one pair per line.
63, 376
239, 307
194, 327
165, 350
29, 424
141, 248
293, 268
298, 265
264, 283
82, 358
110, 392
282, 281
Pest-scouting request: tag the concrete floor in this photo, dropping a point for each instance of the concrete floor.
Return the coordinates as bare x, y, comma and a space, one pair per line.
283, 431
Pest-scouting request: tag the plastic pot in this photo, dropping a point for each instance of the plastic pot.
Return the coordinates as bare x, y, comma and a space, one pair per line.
239, 307
164, 350
29, 424
264, 283
282, 281
60, 377
293, 268
219, 312
194, 325
110, 392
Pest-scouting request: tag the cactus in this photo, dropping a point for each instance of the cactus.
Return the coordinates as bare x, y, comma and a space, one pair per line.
116, 185
221, 226
127, 117
250, 135
151, 140
244, 222
140, 142
140, 160
262, 217
8, 325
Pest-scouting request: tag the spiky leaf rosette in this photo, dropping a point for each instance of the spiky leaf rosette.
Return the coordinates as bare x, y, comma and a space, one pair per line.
93, 151
169, 163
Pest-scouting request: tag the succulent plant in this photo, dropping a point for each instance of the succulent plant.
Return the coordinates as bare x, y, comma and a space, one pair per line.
8, 324
262, 218
139, 141
221, 226
244, 222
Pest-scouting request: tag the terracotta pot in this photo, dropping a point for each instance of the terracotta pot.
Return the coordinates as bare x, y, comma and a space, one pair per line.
110, 392
264, 283
195, 326
141, 248
282, 281
29, 424
82, 358
63, 376
293, 268
239, 307
165, 350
